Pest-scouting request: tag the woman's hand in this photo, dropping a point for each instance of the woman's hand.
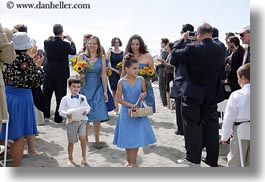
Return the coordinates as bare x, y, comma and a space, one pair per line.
82, 75
106, 97
84, 113
117, 71
142, 96
38, 61
133, 106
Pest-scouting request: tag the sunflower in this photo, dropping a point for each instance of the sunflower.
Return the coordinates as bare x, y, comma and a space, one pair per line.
142, 72
74, 60
151, 72
78, 68
109, 73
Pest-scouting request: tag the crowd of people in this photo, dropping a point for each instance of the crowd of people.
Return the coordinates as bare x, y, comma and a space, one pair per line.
198, 65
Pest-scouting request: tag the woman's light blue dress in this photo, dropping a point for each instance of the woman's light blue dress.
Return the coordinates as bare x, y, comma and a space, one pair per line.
132, 132
150, 97
94, 92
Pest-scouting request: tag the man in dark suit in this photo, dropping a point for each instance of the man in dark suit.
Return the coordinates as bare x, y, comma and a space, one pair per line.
223, 51
199, 96
57, 69
181, 43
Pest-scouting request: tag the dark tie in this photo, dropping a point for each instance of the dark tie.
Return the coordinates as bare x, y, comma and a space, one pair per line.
75, 96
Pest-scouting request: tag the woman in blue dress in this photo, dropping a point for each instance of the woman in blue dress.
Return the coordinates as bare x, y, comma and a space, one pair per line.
137, 47
95, 87
115, 56
20, 76
132, 133
110, 103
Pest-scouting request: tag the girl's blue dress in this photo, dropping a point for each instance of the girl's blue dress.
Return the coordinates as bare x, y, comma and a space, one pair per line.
150, 97
94, 92
132, 132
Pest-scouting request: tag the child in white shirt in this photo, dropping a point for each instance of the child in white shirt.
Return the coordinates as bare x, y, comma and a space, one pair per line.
74, 108
237, 111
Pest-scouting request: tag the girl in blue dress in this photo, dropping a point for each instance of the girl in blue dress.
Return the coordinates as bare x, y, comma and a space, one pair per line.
132, 133
137, 47
95, 87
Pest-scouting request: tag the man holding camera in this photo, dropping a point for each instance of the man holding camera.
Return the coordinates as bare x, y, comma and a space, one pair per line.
57, 69
199, 96
181, 43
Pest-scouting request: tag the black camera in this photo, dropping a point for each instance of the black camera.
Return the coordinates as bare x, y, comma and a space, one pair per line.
192, 36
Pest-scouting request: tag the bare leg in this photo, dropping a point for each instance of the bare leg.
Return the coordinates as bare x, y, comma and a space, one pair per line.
70, 151
83, 147
115, 101
96, 130
17, 151
87, 130
128, 156
133, 154
31, 144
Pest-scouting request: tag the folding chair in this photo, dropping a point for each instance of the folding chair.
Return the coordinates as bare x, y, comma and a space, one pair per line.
243, 133
172, 103
6, 142
223, 149
221, 108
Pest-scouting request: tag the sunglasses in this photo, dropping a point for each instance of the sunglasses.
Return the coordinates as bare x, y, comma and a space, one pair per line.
241, 35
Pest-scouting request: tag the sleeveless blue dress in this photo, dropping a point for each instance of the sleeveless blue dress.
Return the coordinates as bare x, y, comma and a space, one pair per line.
94, 92
110, 104
115, 58
132, 132
150, 97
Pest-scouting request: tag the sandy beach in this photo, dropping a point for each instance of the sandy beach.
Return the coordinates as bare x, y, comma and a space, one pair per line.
51, 143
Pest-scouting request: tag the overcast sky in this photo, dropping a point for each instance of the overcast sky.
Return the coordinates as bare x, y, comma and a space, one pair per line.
152, 20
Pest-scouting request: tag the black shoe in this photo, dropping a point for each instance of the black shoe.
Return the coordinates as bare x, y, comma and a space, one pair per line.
179, 133
208, 163
58, 121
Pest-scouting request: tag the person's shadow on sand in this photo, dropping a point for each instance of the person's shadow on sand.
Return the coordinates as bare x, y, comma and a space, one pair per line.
167, 152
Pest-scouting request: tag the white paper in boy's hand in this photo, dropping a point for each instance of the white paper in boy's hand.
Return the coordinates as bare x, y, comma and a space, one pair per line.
77, 113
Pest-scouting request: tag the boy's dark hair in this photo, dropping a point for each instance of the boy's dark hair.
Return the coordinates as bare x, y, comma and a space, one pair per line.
129, 61
164, 40
244, 70
57, 29
72, 80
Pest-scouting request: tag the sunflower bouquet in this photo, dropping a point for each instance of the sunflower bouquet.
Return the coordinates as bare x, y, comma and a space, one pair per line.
148, 74
81, 67
119, 65
109, 72
74, 61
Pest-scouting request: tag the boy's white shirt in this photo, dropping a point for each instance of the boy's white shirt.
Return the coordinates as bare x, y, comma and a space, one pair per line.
237, 110
68, 104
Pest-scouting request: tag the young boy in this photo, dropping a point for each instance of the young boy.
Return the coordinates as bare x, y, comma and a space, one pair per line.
75, 123
237, 111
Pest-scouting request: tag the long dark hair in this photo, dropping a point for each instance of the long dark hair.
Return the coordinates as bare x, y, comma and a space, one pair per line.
143, 48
